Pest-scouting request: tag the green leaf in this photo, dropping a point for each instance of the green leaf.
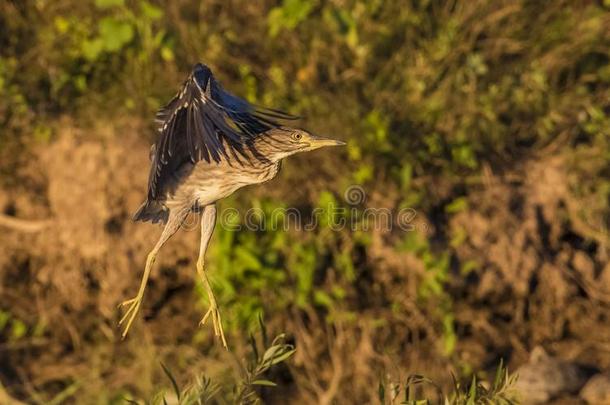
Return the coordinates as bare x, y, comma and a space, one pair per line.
472, 392
271, 352
464, 155
62, 25
265, 383
263, 328
274, 20
277, 354
289, 15
167, 54
247, 259
115, 34
449, 335
150, 11
4, 318
296, 11
364, 173
19, 329
91, 49
172, 379
499, 374
406, 175
323, 299
457, 205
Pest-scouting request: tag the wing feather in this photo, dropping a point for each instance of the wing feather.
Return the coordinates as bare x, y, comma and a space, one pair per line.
201, 122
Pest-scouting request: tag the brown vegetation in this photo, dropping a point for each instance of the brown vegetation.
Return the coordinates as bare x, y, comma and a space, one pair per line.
489, 119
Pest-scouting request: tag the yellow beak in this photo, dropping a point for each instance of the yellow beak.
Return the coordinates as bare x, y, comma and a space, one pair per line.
316, 142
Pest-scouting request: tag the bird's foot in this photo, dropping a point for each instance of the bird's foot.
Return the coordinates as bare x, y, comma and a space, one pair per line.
214, 312
130, 314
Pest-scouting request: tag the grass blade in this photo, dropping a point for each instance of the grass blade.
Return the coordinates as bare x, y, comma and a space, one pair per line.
172, 379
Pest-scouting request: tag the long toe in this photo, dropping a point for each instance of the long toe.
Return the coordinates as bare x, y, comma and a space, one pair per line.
222, 333
131, 318
127, 302
218, 327
130, 314
133, 305
205, 317
216, 323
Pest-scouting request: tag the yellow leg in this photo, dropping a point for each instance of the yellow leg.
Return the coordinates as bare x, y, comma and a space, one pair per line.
208, 221
174, 222
134, 303
213, 310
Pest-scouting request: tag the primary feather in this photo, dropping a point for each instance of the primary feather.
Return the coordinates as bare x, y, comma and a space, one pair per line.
204, 122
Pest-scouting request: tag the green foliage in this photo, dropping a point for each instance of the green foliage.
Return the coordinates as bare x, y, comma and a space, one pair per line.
432, 287
263, 356
83, 51
288, 15
500, 391
270, 250
113, 36
14, 329
248, 264
430, 96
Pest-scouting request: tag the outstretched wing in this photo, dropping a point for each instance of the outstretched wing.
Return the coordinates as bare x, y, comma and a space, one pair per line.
204, 122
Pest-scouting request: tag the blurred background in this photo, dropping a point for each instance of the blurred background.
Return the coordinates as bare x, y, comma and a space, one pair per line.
487, 120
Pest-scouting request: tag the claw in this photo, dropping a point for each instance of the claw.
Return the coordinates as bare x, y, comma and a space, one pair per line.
134, 305
216, 319
205, 317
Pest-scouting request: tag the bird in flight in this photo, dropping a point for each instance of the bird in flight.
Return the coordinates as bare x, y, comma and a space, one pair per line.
210, 144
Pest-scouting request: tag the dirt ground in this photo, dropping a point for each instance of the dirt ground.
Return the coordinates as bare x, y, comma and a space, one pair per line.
539, 277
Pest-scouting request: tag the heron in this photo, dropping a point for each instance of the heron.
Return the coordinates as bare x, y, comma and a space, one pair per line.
210, 143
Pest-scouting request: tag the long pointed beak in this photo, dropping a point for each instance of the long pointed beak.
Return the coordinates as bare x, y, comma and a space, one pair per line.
320, 142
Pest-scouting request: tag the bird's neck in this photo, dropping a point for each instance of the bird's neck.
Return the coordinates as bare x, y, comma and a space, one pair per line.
268, 171
255, 170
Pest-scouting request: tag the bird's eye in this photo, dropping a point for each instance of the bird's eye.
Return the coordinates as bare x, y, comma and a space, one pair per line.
297, 136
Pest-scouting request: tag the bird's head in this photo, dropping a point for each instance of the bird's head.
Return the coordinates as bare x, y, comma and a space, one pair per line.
278, 143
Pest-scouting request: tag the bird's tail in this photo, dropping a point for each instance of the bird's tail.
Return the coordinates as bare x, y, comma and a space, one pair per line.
153, 211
